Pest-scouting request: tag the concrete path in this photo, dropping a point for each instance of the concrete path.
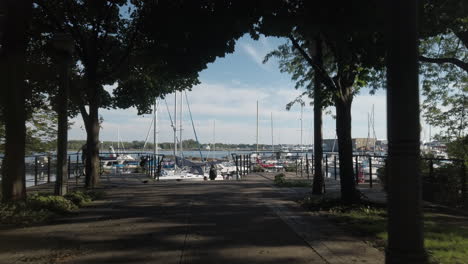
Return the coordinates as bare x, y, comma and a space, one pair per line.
223, 222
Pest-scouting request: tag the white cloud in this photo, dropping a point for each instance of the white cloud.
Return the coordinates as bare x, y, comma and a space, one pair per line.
233, 106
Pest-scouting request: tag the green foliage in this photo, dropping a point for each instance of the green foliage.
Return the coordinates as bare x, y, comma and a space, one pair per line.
444, 67
21, 213
445, 234
281, 181
78, 198
290, 168
458, 149
41, 207
441, 185
41, 130
56, 204
279, 178
258, 168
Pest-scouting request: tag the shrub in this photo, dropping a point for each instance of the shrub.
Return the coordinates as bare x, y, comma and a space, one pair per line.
258, 168
290, 168
78, 198
56, 204
382, 178
279, 179
20, 213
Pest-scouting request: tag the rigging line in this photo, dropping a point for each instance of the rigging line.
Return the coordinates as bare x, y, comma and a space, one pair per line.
147, 134
170, 117
193, 125
172, 124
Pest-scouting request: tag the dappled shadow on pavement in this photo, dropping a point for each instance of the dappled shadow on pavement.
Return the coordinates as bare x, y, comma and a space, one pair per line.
164, 222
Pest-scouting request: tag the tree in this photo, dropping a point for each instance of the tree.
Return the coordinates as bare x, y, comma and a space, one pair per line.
444, 68
292, 62
129, 43
445, 85
354, 44
12, 72
444, 23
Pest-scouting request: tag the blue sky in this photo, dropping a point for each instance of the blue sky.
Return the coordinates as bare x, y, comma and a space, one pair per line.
227, 97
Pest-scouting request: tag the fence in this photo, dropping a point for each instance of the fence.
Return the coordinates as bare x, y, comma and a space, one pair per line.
444, 180
152, 164
243, 165
42, 168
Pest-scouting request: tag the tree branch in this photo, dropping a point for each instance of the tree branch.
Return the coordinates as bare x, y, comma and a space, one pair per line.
326, 80
463, 65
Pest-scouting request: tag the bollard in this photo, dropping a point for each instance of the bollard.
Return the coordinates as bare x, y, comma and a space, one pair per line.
35, 170
48, 168
307, 166
334, 161
370, 171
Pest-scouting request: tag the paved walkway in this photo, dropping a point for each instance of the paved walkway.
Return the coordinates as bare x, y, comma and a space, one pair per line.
223, 222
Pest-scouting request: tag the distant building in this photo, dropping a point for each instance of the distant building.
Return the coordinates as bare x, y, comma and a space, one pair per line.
364, 144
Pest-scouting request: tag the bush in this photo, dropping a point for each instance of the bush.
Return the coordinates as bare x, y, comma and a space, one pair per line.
56, 204
382, 178
78, 198
281, 181
258, 168
20, 213
40, 207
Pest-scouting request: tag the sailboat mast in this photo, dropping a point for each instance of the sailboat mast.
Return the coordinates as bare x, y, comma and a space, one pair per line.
214, 137
272, 146
155, 127
302, 112
175, 125
118, 140
180, 122
257, 127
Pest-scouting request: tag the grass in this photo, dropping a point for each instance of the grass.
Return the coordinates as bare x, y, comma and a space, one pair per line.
280, 181
446, 235
39, 208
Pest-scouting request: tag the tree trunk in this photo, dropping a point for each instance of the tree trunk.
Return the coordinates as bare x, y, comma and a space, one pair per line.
92, 145
61, 184
405, 226
345, 148
12, 70
318, 186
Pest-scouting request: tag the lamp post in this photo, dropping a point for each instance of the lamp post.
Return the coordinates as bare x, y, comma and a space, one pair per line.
63, 46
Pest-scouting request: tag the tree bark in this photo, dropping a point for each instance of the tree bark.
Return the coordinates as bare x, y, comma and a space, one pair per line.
405, 226
318, 186
61, 184
12, 70
345, 147
92, 139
